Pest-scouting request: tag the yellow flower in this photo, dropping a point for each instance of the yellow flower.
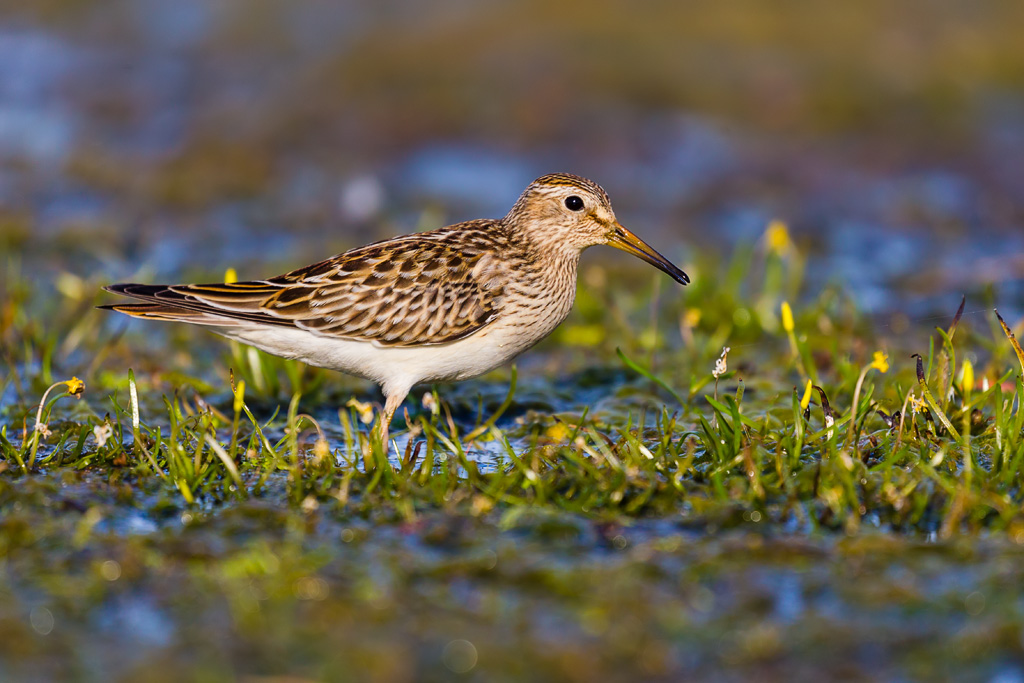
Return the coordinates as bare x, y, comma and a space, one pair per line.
239, 396
968, 381
75, 386
777, 238
787, 317
806, 400
230, 275
880, 362
557, 432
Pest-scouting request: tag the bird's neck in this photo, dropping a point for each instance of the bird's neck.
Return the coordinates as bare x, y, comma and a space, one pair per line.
547, 272
549, 282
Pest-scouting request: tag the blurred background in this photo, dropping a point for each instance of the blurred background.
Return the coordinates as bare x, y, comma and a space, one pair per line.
168, 140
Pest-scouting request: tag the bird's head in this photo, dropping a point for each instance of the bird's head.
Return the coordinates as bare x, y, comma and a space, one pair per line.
562, 211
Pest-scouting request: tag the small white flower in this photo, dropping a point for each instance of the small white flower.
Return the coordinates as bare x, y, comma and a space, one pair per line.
430, 404
721, 365
102, 433
43, 430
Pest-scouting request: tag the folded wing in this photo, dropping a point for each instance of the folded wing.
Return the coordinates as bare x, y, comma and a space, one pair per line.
421, 289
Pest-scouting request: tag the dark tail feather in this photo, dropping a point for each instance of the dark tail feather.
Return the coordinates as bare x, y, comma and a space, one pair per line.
163, 302
170, 313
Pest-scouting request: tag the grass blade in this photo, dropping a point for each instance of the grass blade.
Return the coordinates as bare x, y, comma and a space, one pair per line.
1013, 340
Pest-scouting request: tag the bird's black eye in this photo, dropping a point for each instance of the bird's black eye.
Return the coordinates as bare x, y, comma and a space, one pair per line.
573, 203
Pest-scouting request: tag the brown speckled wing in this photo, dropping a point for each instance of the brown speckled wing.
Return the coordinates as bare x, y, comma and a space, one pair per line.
426, 288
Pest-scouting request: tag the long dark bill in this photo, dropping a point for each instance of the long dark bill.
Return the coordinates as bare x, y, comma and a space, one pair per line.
626, 241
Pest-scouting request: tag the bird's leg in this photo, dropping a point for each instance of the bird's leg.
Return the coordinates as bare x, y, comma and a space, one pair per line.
391, 403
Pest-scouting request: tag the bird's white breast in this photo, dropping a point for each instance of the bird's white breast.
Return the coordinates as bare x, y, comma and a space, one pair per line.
394, 367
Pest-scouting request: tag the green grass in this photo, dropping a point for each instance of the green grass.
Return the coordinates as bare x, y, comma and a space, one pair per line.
747, 439
255, 528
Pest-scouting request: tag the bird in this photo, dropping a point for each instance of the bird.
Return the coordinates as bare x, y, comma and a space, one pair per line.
442, 305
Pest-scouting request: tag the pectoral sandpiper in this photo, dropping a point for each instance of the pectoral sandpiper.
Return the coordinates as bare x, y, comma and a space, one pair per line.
442, 305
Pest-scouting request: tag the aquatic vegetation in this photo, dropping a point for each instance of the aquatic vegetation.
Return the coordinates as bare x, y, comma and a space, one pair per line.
642, 483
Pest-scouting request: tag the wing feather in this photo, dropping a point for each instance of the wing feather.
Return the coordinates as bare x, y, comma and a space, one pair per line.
427, 288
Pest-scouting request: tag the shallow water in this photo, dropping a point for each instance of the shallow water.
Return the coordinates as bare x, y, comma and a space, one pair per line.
250, 586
